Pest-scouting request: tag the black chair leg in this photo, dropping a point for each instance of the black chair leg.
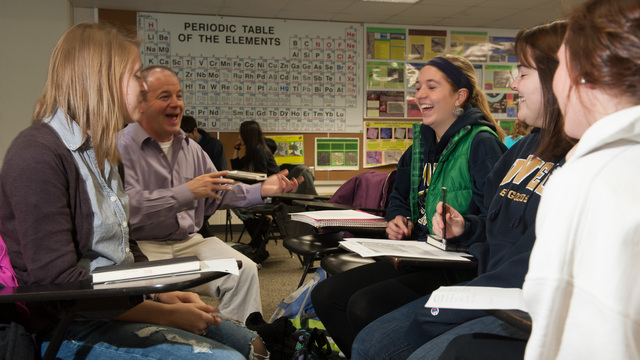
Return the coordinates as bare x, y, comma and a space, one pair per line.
58, 337
306, 270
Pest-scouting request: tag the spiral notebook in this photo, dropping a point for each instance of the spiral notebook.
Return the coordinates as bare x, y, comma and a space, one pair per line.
340, 218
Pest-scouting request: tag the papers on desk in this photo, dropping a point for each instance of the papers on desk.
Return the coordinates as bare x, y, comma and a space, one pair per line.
221, 265
246, 175
162, 268
401, 248
476, 298
340, 218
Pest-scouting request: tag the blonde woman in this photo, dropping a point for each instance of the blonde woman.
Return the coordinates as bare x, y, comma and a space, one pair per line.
64, 212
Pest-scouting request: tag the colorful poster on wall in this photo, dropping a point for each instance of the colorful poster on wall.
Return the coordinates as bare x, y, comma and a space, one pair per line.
413, 71
507, 126
473, 45
413, 109
385, 75
385, 141
337, 154
499, 77
385, 104
386, 43
290, 149
503, 105
502, 49
427, 44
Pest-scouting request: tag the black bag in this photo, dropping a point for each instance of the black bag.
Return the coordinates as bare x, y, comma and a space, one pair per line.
312, 345
251, 252
16, 343
284, 342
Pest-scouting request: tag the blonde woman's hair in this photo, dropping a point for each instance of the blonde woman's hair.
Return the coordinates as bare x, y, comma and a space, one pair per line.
86, 70
478, 99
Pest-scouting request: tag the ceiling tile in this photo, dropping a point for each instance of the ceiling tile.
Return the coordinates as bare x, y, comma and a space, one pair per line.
459, 13
432, 11
387, 9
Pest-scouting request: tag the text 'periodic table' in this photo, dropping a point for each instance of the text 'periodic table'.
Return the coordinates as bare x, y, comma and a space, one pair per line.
291, 76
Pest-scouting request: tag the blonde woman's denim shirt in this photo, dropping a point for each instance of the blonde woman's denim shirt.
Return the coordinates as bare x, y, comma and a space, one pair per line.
110, 203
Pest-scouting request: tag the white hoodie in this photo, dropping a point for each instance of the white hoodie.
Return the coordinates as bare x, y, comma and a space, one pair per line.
583, 285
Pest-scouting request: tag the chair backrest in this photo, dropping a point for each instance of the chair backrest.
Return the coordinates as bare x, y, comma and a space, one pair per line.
7, 275
369, 189
307, 186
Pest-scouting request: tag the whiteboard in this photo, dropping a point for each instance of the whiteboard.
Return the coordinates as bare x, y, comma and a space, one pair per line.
289, 75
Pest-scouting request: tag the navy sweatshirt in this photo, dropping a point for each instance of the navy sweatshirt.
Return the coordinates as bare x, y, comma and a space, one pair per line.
503, 238
486, 150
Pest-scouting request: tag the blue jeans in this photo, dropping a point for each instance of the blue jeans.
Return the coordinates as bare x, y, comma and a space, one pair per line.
110, 339
396, 336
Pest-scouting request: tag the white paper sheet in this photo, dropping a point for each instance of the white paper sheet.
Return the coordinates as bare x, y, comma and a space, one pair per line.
223, 265
403, 248
476, 298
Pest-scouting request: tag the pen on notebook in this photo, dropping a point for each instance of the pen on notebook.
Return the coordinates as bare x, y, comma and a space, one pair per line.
444, 213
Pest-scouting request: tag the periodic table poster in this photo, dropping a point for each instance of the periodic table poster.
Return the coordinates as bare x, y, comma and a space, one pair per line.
290, 76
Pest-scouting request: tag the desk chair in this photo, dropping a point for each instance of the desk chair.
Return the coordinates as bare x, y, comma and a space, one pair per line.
368, 191
483, 346
83, 296
337, 263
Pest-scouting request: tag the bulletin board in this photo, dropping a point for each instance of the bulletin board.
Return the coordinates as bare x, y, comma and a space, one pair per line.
395, 55
290, 76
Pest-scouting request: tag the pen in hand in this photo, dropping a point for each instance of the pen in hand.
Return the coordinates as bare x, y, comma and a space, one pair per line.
444, 213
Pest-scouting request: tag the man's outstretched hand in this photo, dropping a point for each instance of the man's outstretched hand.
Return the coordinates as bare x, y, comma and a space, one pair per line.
277, 184
208, 185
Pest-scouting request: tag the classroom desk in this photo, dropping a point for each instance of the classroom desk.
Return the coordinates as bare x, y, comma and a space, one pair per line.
402, 262
85, 290
83, 296
516, 318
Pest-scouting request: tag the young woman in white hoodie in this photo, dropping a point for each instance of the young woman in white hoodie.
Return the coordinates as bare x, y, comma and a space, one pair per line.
582, 286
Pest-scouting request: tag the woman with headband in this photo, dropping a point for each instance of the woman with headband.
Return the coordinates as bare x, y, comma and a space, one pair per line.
455, 146
504, 237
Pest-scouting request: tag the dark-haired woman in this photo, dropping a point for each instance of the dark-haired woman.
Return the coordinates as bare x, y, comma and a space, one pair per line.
257, 155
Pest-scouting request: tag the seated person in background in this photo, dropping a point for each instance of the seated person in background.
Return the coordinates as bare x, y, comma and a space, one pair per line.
502, 239
210, 145
213, 148
258, 157
520, 129
456, 145
76, 218
172, 184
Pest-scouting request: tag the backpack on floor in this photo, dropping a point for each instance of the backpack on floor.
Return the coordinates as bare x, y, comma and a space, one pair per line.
311, 336
298, 303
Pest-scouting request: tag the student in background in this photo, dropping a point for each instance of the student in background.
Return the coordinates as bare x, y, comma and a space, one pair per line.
503, 237
210, 145
76, 218
456, 145
257, 155
582, 286
520, 129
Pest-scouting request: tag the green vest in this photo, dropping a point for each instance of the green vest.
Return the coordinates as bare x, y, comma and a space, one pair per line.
452, 172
